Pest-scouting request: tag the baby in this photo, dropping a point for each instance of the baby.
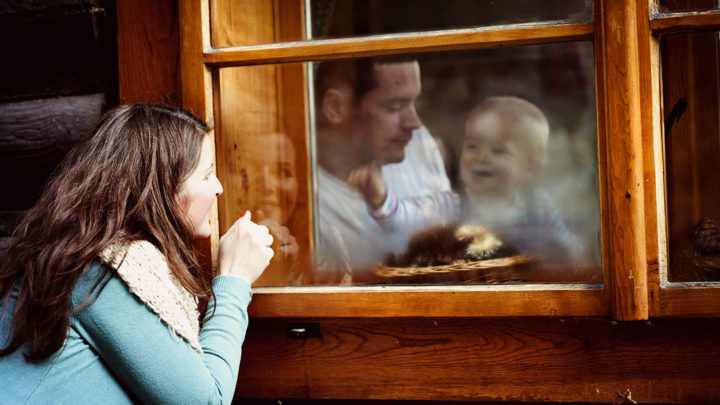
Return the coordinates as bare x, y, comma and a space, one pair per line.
504, 149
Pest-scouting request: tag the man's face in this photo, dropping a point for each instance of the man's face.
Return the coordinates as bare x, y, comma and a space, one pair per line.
386, 116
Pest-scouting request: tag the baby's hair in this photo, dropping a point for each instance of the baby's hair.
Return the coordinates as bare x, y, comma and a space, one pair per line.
523, 115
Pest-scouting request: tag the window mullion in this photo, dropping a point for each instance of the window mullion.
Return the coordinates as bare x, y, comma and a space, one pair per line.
621, 95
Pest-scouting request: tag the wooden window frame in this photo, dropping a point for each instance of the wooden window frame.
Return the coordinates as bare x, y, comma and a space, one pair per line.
630, 157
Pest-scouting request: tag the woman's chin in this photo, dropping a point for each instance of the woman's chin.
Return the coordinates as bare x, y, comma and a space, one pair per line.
202, 233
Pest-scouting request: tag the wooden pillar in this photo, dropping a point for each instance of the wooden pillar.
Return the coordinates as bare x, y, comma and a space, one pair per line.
148, 51
256, 106
620, 94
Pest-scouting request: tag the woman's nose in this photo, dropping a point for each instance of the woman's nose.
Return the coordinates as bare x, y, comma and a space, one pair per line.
267, 178
218, 186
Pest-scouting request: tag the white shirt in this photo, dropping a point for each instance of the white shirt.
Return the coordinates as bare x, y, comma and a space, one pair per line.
352, 241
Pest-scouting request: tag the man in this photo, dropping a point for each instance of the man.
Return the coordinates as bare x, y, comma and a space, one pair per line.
381, 176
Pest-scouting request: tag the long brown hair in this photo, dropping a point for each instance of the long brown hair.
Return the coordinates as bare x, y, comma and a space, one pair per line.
118, 185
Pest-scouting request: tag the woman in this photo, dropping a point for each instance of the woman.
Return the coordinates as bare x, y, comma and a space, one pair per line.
100, 291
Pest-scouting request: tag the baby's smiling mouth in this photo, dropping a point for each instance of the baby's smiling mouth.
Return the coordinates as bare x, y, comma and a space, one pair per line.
482, 173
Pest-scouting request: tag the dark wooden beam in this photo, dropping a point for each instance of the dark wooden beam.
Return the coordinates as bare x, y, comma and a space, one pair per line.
521, 359
34, 136
57, 48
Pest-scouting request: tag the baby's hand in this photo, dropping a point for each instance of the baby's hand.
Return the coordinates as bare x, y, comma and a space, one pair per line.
283, 240
368, 180
244, 251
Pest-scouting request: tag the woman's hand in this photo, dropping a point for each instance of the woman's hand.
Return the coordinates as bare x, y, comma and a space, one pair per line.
283, 241
244, 250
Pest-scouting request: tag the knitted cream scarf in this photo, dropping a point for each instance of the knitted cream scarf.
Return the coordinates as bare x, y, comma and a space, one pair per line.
145, 271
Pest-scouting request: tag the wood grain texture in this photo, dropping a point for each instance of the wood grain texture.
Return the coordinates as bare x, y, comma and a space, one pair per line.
693, 21
490, 37
564, 360
36, 128
148, 51
262, 141
35, 136
197, 95
693, 144
602, 129
450, 301
683, 301
653, 157
625, 211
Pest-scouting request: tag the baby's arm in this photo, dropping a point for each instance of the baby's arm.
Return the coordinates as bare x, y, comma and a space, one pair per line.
407, 214
414, 213
557, 231
368, 180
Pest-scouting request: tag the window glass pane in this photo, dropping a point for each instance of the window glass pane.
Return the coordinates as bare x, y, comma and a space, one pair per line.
674, 6
251, 22
692, 144
444, 168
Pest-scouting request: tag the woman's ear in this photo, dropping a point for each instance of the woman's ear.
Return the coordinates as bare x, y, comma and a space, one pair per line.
336, 105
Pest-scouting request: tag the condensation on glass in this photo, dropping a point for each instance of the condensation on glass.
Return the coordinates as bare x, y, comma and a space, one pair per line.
285, 20
676, 6
691, 82
443, 168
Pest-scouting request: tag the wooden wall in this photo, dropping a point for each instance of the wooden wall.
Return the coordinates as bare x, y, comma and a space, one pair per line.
57, 76
577, 360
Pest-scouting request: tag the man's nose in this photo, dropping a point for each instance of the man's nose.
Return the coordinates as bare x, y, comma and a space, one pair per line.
411, 120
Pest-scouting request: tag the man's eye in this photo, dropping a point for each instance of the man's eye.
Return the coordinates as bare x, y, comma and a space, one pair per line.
394, 106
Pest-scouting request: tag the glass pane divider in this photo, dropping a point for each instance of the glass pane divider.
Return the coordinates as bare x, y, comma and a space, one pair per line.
386, 302
445, 40
685, 22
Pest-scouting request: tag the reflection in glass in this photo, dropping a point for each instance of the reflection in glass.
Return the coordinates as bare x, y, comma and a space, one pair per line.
261, 144
692, 143
458, 167
264, 23
334, 19
676, 6
445, 168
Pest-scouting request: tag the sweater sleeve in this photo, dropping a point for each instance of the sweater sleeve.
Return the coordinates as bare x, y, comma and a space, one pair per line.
148, 359
410, 214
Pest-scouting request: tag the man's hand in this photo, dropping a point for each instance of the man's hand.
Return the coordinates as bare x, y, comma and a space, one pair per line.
368, 180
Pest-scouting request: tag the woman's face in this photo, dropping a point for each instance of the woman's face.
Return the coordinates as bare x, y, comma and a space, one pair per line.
271, 179
198, 193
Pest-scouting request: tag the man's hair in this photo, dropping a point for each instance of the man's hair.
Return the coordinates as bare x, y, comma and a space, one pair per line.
118, 185
357, 74
519, 113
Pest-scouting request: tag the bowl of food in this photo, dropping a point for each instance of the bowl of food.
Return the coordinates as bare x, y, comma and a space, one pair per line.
456, 254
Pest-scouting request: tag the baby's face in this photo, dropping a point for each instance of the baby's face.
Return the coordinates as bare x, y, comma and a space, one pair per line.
493, 161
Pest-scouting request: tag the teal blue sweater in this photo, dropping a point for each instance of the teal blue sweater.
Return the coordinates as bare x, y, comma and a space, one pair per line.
118, 351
